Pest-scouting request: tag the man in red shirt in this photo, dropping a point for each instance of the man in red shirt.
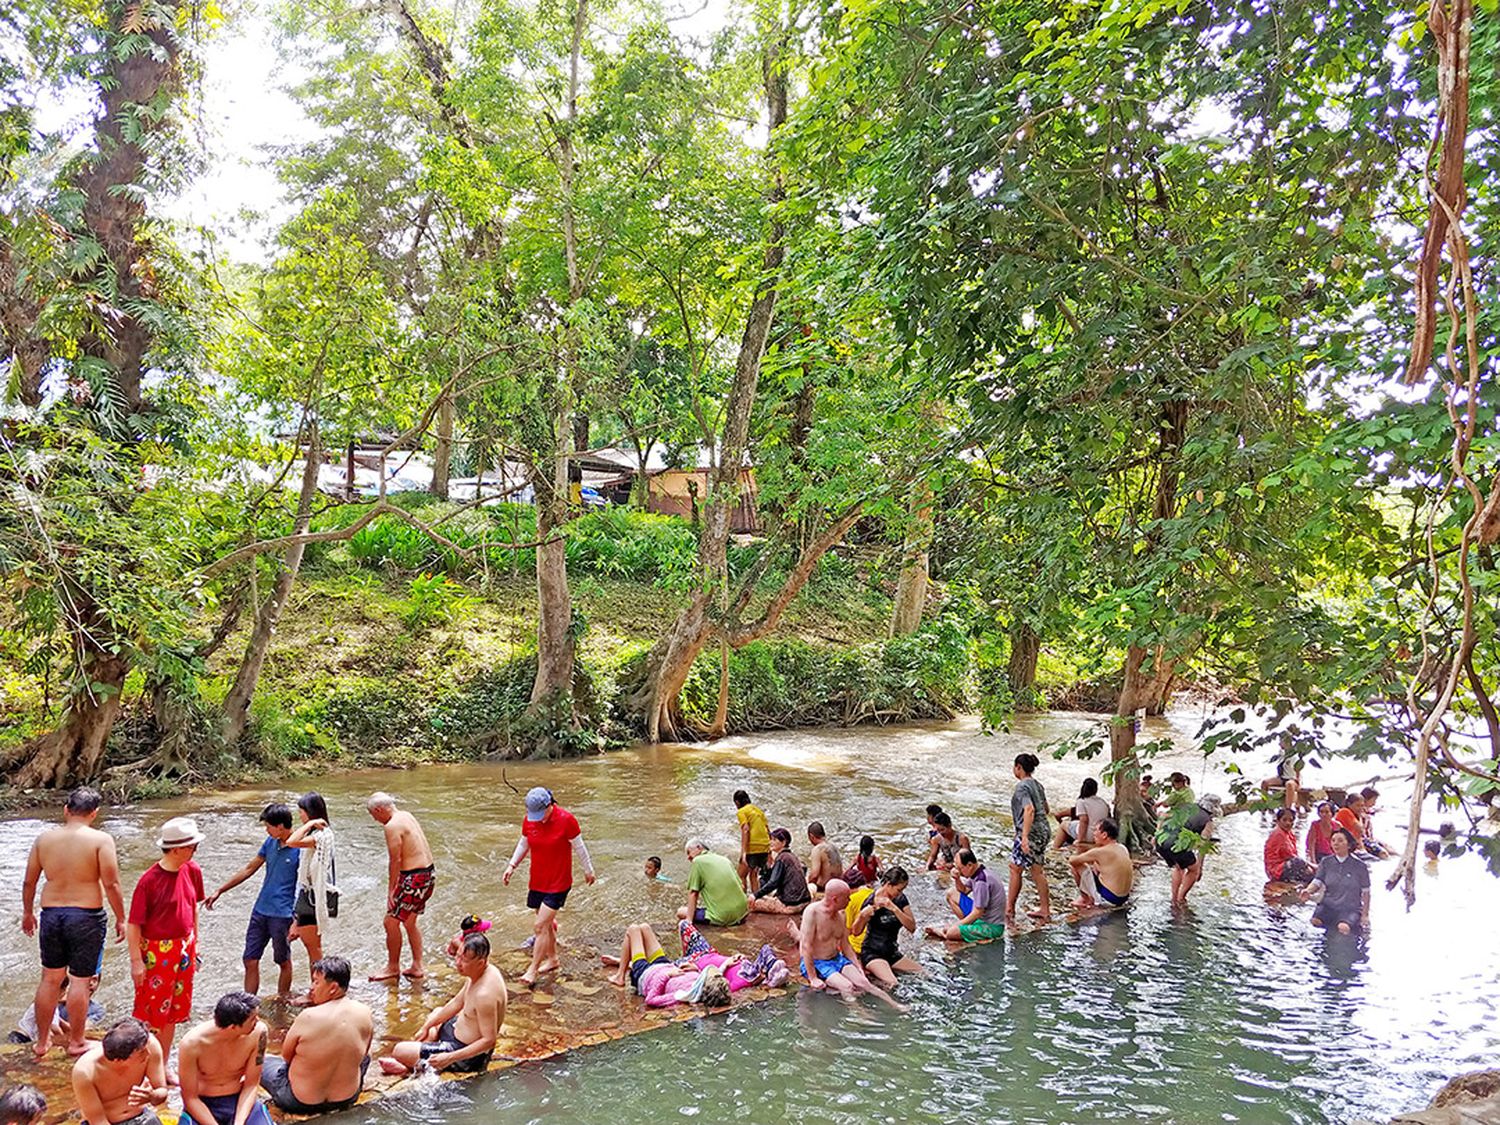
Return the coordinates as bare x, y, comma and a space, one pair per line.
162, 929
552, 836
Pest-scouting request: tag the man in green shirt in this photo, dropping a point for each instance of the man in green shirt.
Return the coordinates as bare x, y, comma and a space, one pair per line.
715, 896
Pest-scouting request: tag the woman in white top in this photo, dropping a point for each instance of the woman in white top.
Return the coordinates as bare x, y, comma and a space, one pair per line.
1077, 827
317, 892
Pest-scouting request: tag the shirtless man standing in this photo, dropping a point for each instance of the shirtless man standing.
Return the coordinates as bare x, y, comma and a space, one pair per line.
121, 1080
327, 1049
1105, 874
828, 961
219, 1063
824, 863
81, 868
411, 883
460, 1036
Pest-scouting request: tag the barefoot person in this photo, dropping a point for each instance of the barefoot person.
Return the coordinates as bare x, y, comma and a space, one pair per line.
1180, 840
163, 933
326, 1050
987, 914
824, 863
550, 834
755, 840
460, 1036
1028, 808
715, 896
662, 982
82, 871
122, 1079
317, 876
828, 961
785, 888
219, 1064
271, 916
1105, 873
410, 882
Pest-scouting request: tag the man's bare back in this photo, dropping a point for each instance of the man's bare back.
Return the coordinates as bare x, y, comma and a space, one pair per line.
77, 861
117, 1089
406, 842
328, 1042
1114, 867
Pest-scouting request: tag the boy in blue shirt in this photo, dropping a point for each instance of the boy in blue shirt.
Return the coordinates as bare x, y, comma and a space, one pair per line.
271, 919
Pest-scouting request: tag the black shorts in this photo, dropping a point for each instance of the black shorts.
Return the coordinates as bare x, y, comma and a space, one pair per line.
263, 930
1331, 918
639, 965
878, 953
276, 1080
72, 938
1175, 858
554, 899
756, 861
447, 1040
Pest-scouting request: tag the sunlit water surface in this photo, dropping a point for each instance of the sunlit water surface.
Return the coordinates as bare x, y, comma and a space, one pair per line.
1235, 1010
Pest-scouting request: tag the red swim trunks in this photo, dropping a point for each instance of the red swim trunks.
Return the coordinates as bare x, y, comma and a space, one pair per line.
166, 994
413, 889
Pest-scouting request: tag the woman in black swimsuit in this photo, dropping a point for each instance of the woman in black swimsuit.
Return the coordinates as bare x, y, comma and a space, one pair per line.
886, 913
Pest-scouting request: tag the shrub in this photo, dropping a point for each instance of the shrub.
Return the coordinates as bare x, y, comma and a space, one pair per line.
433, 597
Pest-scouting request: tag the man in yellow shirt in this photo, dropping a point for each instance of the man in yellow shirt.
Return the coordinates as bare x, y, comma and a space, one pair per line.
755, 840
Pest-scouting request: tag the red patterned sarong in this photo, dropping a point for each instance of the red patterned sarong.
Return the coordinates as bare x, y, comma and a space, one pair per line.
166, 994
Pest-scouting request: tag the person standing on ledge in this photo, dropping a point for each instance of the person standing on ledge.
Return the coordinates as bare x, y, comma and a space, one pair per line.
550, 833
411, 881
163, 933
82, 870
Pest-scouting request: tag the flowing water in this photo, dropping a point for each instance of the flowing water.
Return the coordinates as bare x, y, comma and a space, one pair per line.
1234, 1010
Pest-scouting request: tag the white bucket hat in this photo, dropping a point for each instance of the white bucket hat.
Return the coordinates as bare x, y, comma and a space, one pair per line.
179, 832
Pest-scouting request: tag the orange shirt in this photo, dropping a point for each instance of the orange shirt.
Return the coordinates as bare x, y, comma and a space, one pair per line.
1345, 818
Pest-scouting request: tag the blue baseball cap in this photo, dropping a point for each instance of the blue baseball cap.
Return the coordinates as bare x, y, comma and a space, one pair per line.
538, 801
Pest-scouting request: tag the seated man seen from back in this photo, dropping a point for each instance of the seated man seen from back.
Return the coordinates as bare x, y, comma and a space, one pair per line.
326, 1050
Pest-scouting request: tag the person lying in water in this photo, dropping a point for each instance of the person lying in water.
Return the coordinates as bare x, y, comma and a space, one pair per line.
1105, 873
828, 960
784, 890
326, 1050
663, 982
460, 1036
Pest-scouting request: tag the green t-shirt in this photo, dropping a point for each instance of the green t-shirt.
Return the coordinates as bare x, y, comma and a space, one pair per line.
718, 885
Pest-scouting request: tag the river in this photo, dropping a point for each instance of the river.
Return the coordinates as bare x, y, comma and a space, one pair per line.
1235, 1010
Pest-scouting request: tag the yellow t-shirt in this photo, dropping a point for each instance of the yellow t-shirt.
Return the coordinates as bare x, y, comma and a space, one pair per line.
760, 835
851, 913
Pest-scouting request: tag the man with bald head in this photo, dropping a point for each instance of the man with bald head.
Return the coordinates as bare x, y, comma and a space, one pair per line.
828, 961
410, 879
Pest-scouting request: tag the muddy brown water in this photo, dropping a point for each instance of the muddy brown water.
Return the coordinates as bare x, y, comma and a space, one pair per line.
1234, 1010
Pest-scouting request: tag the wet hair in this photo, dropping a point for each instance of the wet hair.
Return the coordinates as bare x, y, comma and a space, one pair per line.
654, 861
21, 1105
1325, 805
125, 1038
1286, 812
867, 846
335, 970
716, 992
741, 798
1346, 834
1432, 848
783, 835
313, 805
234, 1008
1369, 793
966, 856
277, 815
1108, 827
82, 801
1088, 788
942, 820
816, 829
894, 876
1028, 763
477, 945
933, 810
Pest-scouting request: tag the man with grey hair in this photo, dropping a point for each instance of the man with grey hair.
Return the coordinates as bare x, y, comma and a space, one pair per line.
715, 883
410, 882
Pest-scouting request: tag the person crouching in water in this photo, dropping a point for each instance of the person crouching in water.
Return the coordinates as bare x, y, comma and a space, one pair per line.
1283, 865
1105, 873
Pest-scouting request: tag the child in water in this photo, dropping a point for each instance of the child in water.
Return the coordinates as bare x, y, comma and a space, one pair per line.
653, 870
472, 924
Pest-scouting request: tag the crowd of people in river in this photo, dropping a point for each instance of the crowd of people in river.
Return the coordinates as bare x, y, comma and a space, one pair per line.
846, 921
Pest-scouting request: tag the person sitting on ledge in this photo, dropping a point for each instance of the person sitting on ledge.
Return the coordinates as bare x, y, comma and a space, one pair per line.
460, 1036
986, 916
784, 890
326, 1050
824, 863
123, 1079
219, 1064
828, 960
715, 896
1105, 873
22, 1105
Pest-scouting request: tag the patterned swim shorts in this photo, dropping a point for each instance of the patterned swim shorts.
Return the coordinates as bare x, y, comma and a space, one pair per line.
413, 889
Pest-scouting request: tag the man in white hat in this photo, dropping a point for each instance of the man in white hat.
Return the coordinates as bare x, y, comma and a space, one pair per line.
163, 933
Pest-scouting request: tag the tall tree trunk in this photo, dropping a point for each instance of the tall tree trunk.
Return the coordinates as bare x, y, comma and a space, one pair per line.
671, 659
242, 691
911, 587
1025, 651
443, 456
1157, 692
1130, 810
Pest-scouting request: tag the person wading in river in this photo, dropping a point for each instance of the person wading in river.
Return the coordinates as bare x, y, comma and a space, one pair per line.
550, 833
410, 883
163, 933
326, 1050
121, 1080
460, 1036
219, 1063
271, 917
82, 870
1028, 808
828, 960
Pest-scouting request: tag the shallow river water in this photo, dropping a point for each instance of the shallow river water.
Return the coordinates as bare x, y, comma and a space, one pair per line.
1234, 1010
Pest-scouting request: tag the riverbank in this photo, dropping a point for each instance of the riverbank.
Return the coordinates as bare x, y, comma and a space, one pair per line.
1153, 1015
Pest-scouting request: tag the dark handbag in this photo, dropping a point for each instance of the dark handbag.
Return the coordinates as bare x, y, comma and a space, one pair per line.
304, 905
